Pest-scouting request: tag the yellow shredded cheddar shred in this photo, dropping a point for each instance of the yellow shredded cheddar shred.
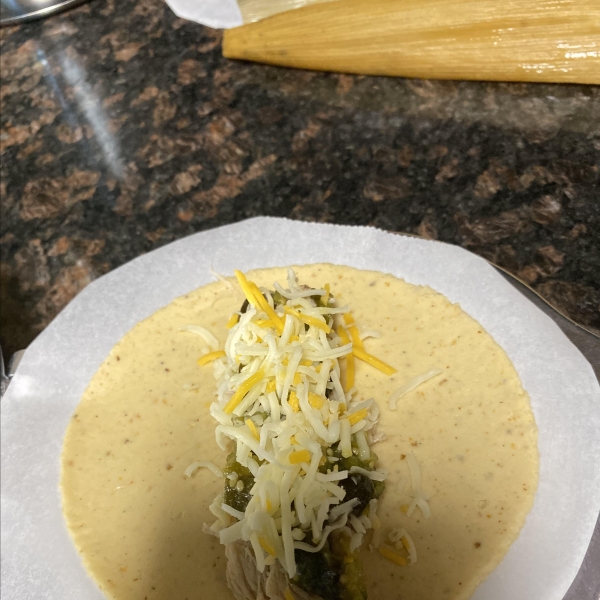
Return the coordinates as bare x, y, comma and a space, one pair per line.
208, 358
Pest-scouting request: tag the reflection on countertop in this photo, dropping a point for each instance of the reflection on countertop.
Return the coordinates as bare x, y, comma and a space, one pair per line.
123, 128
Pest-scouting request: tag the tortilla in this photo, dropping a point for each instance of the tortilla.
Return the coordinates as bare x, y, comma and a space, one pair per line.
137, 520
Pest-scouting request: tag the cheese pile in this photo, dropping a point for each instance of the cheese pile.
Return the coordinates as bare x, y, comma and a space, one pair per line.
282, 401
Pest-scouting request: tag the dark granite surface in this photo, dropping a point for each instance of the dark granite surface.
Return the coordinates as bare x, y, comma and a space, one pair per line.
123, 128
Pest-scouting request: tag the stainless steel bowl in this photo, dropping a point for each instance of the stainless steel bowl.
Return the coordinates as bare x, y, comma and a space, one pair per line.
16, 11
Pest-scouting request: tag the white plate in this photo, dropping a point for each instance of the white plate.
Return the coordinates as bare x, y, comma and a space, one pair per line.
38, 559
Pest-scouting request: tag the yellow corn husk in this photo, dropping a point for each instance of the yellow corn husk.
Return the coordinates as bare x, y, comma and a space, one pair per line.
513, 40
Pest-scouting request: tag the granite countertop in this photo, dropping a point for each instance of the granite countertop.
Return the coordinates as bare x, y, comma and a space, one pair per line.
123, 128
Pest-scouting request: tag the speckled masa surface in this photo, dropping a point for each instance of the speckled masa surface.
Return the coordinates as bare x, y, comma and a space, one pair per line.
123, 128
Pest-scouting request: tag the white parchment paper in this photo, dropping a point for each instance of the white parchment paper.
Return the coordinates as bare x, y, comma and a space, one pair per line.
218, 14
38, 558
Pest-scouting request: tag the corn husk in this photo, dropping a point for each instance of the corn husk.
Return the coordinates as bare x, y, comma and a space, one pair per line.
502, 40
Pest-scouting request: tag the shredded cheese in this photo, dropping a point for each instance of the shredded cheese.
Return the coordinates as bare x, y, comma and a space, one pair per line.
357, 416
233, 321
315, 400
266, 307
345, 439
267, 546
252, 427
284, 401
417, 493
207, 358
248, 291
288, 594
410, 547
294, 402
373, 361
205, 334
207, 464
349, 383
411, 385
380, 475
318, 323
351, 324
243, 390
300, 456
393, 556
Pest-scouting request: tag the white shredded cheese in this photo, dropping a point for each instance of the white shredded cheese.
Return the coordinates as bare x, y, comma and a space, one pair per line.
379, 475
206, 528
297, 294
204, 333
308, 548
419, 498
281, 406
344, 508
203, 464
221, 278
355, 541
358, 526
370, 333
411, 385
345, 439
231, 511
412, 551
363, 447
332, 476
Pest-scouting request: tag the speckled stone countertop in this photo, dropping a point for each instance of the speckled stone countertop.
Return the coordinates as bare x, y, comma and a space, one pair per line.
123, 128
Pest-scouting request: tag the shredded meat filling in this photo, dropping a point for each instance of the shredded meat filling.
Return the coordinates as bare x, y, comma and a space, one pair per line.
246, 583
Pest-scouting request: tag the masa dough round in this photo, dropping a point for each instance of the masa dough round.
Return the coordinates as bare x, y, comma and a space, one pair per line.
137, 520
